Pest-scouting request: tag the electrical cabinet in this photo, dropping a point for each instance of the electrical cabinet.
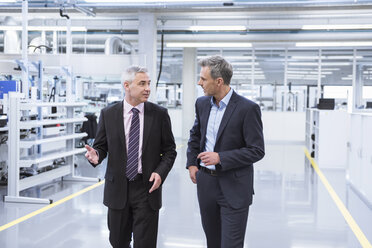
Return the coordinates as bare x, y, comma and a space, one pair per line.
360, 154
326, 137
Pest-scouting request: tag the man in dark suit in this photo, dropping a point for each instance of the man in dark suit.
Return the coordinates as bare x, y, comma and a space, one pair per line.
225, 141
137, 137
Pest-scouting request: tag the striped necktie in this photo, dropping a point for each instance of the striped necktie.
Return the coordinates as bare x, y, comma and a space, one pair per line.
133, 146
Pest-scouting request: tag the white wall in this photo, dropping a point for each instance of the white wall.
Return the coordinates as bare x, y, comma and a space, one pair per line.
176, 119
284, 126
278, 126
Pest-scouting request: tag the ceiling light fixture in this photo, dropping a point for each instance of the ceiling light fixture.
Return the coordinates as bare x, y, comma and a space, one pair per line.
334, 44
43, 28
325, 57
337, 26
144, 1
316, 64
217, 28
208, 44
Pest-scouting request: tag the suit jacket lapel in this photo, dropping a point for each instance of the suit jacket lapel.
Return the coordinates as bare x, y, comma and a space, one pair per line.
120, 121
226, 116
148, 119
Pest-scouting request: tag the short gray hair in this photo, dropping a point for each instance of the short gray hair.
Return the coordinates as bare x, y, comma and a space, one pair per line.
131, 71
219, 67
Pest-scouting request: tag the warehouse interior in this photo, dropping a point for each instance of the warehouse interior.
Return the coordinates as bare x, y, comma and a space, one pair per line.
307, 63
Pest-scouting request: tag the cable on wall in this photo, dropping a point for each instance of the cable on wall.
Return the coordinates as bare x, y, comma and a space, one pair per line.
161, 57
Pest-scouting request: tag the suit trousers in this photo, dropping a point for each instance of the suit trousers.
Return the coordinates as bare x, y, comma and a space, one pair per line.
224, 226
137, 217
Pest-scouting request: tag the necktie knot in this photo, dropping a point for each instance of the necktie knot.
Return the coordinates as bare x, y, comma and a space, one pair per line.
135, 111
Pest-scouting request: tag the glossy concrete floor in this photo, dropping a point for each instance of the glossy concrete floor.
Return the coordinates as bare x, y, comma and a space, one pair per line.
291, 209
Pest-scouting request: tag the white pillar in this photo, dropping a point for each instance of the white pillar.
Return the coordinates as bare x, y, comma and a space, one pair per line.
55, 42
253, 68
319, 76
147, 41
357, 86
188, 90
285, 83
43, 42
25, 85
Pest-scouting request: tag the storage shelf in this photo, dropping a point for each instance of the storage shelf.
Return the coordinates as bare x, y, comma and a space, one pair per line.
2, 129
29, 105
30, 142
32, 124
44, 177
27, 162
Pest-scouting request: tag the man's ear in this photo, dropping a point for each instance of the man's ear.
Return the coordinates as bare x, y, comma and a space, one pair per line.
126, 84
220, 81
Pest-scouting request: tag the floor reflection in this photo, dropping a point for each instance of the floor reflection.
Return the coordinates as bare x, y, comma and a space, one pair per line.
291, 208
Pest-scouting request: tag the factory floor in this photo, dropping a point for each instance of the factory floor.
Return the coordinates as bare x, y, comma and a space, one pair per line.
292, 209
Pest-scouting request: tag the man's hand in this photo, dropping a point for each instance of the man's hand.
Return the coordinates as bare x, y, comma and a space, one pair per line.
192, 170
155, 177
91, 155
209, 158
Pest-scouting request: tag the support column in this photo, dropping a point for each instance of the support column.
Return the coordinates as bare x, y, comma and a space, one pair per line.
285, 82
319, 93
357, 86
25, 81
188, 90
147, 47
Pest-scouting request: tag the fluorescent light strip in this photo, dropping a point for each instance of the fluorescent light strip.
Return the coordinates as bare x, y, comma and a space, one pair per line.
311, 69
249, 72
244, 63
43, 28
334, 44
8, 1
309, 72
337, 26
217, 28
144, 1
323, 63
325, 57
245, 69
208, 44
232, 57
346, 78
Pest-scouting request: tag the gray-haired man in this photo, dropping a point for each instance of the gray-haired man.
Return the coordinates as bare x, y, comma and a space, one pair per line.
137, 137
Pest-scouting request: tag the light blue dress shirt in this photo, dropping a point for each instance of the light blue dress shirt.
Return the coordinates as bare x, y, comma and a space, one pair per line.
214, 122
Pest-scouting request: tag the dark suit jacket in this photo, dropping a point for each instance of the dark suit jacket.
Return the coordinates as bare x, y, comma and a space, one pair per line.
158, 151
239, 144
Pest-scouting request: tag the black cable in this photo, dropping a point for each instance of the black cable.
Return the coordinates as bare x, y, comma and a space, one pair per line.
63, 15
52, 94
39, 47
161, 57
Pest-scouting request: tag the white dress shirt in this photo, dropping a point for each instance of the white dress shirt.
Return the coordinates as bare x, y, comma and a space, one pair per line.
127, 116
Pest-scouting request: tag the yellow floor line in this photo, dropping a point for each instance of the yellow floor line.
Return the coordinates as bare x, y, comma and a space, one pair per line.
28, 216
349, 219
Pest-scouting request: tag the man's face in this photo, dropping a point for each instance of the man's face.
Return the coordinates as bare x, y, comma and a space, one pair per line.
138, 91
206, 81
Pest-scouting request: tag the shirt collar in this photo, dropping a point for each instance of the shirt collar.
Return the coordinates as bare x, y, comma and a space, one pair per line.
128, 108
224, 100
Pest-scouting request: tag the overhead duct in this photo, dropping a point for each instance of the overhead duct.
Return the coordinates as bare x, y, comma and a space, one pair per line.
115, 45
12, 41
